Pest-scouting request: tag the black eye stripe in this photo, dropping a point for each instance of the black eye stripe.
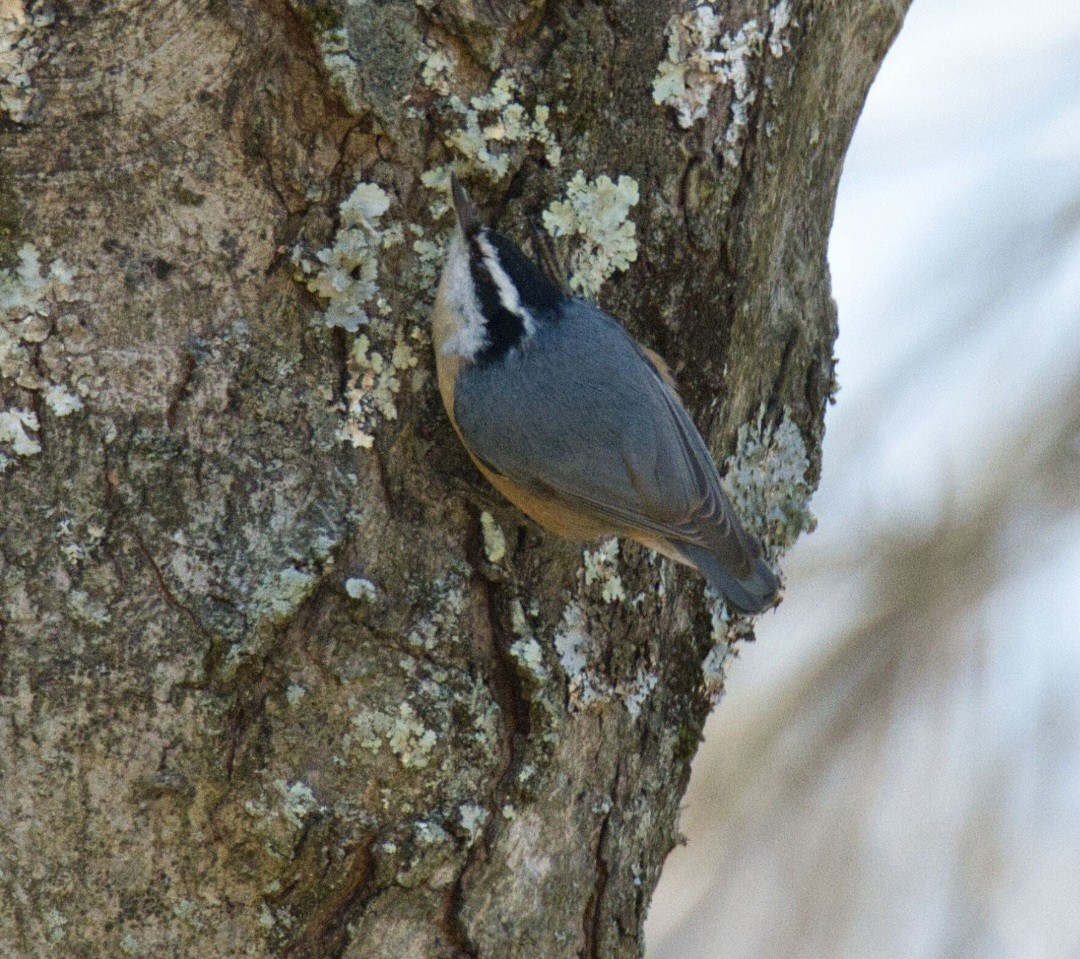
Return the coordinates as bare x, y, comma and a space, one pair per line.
537, 295
504, 329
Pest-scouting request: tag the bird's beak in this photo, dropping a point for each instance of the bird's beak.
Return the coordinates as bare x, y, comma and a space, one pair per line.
466, 213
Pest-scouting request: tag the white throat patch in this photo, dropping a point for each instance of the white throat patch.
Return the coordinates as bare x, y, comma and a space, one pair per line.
460, 296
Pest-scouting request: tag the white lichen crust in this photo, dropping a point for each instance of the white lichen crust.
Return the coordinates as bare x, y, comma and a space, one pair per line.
767, 482
494, 540
16, 427
595, 216
402, 732
20, 53
374, 381
29, 296
341, 66
495, 129
281, 592
728, 629
700, 59
602, 566
587, 683
278, 815
347, 272
572, 644
359, 588
346, 277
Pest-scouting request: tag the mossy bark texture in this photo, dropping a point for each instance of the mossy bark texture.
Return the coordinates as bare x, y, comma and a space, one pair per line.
264, 692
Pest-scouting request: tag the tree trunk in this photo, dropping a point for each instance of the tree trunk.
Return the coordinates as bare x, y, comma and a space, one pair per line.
279, 675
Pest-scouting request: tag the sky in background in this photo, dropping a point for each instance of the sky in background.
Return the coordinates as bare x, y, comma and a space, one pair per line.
895, 769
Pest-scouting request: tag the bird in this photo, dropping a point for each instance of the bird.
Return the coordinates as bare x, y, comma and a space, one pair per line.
574, 421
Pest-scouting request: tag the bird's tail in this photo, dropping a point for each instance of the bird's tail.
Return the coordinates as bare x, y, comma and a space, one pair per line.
748, 594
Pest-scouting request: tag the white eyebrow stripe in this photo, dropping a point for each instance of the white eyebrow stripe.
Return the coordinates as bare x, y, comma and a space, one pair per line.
508, 293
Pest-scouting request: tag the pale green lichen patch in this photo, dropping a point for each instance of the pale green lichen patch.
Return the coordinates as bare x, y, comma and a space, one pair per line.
277, 595
347, 272
369, 728
367, 50
526, 650
686, 80
56, 923
28, 295
572, 643
403, 732
437, 69
281, 592
19, 55
345, 276
635, 694
602, 566
430, 857
428, 833
61, 400
586, 683
75, 549
727, 629
431, 252
188, 911
281, 814
273, 602
362, 589
374, 381
409, 740
530, 657
281, 918
342, 67
87, 610
473, 819
595, 217
442, 625
16, 427
700, 60
297, 801
494, 540
519, 622
767, 484
495, 129
781, 22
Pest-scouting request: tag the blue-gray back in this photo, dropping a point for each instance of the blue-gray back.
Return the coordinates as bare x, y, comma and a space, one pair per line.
579, 411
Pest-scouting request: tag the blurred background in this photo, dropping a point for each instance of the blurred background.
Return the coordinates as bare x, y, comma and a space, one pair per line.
894, 770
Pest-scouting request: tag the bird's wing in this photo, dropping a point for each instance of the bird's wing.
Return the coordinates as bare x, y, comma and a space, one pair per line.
584, 416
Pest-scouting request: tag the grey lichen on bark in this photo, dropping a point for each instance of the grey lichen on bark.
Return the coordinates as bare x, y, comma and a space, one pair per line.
268, 692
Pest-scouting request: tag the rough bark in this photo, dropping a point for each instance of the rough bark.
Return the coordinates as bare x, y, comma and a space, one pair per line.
209, 745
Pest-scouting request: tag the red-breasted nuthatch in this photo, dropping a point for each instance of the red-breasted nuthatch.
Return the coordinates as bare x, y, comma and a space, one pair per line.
574, 421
